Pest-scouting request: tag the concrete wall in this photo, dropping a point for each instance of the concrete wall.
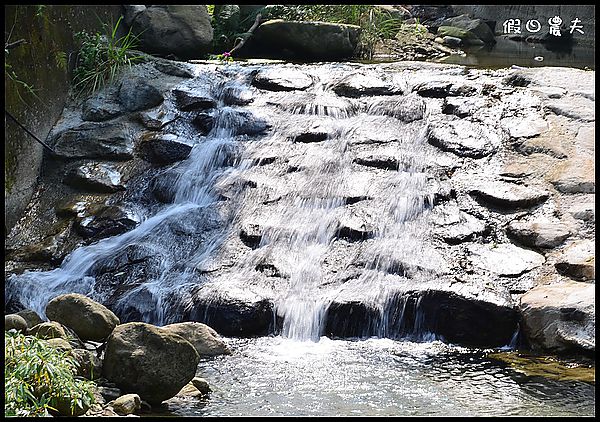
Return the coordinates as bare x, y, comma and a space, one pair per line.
48, 32
567, 12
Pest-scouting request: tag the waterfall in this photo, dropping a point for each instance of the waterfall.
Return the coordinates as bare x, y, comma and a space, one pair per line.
328, 200
194, 191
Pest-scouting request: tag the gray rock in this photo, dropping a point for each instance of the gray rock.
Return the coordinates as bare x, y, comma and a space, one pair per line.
109, 393
578, 108
539, 233
318, 131
188, 100
51, 249
89, 365
456, 226
304, 40
205, 340
560, 317
149, 361
476, 27
433, 89
95, 177
61, 344
358, 85
575, 175
462, 107
15, 322
105, 221
138, 94
202, 385
407, 108
173, 68
585, 211
157, 118
127, 404
99, 108
578, 260
504, 259
108, 140
451, 41
464, 138
282, 79
524, 127
48, 330
509, 195
31, 317
165, 148
184, 31
89, 319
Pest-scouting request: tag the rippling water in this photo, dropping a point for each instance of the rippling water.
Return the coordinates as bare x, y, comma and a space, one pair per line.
273, 376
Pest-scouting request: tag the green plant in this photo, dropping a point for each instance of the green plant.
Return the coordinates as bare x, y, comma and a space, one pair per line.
39, 379
101, 57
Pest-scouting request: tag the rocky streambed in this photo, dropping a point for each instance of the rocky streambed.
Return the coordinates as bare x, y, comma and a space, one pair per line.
400, 200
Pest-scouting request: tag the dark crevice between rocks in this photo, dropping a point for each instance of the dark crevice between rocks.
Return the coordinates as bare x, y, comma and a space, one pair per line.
249, 239
445, 315
235, 318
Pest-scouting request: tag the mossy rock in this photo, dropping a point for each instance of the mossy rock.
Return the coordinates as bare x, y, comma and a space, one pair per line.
466, 36
547, 367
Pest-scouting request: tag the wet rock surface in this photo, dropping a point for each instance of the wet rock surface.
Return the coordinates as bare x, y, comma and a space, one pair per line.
400, 172
561, 316
95, 177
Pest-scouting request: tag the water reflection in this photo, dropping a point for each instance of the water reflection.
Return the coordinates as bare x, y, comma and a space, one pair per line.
272, 376
506, 53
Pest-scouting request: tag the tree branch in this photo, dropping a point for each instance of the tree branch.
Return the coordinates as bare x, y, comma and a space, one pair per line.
14, 44
249, 34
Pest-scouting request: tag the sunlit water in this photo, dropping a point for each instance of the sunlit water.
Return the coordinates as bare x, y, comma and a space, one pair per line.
272, 376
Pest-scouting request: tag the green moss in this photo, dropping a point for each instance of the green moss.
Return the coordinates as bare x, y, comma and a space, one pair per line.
547, 367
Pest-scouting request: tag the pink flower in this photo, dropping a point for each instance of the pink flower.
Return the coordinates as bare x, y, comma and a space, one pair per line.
227, 54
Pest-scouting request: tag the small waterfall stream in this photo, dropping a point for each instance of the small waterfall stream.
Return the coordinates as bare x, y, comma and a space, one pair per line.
300, 222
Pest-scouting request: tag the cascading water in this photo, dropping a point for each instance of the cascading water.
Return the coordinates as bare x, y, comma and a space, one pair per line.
153, 298
339, 223
317, 226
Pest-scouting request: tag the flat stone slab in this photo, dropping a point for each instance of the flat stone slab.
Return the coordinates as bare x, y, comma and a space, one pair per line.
560, 317
407, 108
578, 261
509, 195
543, 233
188, 100
358, 85
574, 176
574, 107
504, 259
524, 127
455, 226
97, 177
165, 148
464, 138
463, 106
282, 80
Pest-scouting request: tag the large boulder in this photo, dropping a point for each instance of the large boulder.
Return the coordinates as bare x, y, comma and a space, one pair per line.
474, 29
205, 340
183, 31
560, 317
89, 319
15, 322
303, 40
31, 317
149, 361
95, 140
137, 94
